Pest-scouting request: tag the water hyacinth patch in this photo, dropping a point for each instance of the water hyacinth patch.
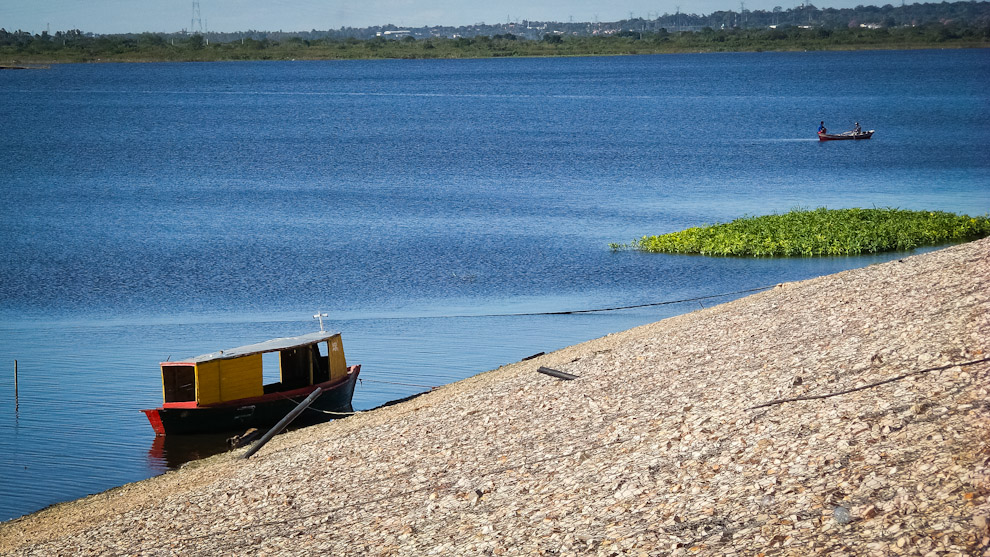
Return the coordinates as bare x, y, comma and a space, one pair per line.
818, 232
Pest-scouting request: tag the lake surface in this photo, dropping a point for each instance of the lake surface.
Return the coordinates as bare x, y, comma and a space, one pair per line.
155, 211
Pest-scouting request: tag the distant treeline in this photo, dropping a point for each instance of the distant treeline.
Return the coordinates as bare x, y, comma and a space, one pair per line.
958, 24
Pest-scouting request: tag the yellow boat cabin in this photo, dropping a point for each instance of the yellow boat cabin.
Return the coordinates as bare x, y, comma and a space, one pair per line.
225, 389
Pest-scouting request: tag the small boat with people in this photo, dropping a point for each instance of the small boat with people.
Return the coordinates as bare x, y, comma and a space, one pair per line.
855, 133
225, 390
845, 135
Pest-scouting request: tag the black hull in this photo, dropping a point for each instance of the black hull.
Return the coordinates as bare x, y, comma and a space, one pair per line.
845, 136
259, 413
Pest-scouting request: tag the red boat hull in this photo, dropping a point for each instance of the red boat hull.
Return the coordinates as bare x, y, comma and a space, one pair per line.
262, 411
842, 136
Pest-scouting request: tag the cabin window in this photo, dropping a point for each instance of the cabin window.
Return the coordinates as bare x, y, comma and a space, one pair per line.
180, 383
321, 367
297, 367
269, 369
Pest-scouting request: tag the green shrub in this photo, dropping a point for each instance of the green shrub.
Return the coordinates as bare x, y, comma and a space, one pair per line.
820, 232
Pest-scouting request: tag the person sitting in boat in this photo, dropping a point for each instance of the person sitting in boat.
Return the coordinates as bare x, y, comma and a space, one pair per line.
821, 127
857, 129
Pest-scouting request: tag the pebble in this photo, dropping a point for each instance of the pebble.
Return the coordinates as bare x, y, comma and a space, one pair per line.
841, 515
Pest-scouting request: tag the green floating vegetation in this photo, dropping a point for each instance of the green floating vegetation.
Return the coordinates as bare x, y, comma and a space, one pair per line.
819, 232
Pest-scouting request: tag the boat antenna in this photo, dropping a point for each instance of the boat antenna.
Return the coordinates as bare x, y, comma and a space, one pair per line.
320, 316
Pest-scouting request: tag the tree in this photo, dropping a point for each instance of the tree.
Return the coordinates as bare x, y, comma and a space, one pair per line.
196, 42
150, 39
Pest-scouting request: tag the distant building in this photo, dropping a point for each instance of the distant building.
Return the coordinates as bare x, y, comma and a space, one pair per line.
394, 34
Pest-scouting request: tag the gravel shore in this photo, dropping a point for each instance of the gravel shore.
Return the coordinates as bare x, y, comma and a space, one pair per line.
660, 447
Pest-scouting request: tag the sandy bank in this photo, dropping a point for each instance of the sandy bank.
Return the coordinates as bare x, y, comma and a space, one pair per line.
654, 450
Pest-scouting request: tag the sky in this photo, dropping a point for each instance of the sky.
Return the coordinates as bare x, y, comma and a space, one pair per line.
136, 16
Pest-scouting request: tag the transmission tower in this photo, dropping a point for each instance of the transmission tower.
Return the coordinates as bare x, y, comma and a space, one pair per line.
196, 25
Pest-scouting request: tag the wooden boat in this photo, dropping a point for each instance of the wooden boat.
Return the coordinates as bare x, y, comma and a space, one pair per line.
844, 135
224, 390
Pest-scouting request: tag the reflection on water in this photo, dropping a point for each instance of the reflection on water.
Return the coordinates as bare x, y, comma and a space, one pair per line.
169, 452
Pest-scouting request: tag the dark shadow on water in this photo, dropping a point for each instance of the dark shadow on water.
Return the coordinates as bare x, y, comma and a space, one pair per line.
403, 399
170, 452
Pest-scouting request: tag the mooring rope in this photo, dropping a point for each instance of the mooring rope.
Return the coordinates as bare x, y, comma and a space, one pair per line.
617, 308
290, 399
562, 312
335, 413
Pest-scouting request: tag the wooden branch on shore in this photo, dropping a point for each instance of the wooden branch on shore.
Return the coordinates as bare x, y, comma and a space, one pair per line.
870, 386
557, 373
284, 422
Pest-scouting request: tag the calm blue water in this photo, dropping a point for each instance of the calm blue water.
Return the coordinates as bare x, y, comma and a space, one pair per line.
166, 210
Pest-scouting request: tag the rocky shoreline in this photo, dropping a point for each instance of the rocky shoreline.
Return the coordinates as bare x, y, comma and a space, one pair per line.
659, 447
